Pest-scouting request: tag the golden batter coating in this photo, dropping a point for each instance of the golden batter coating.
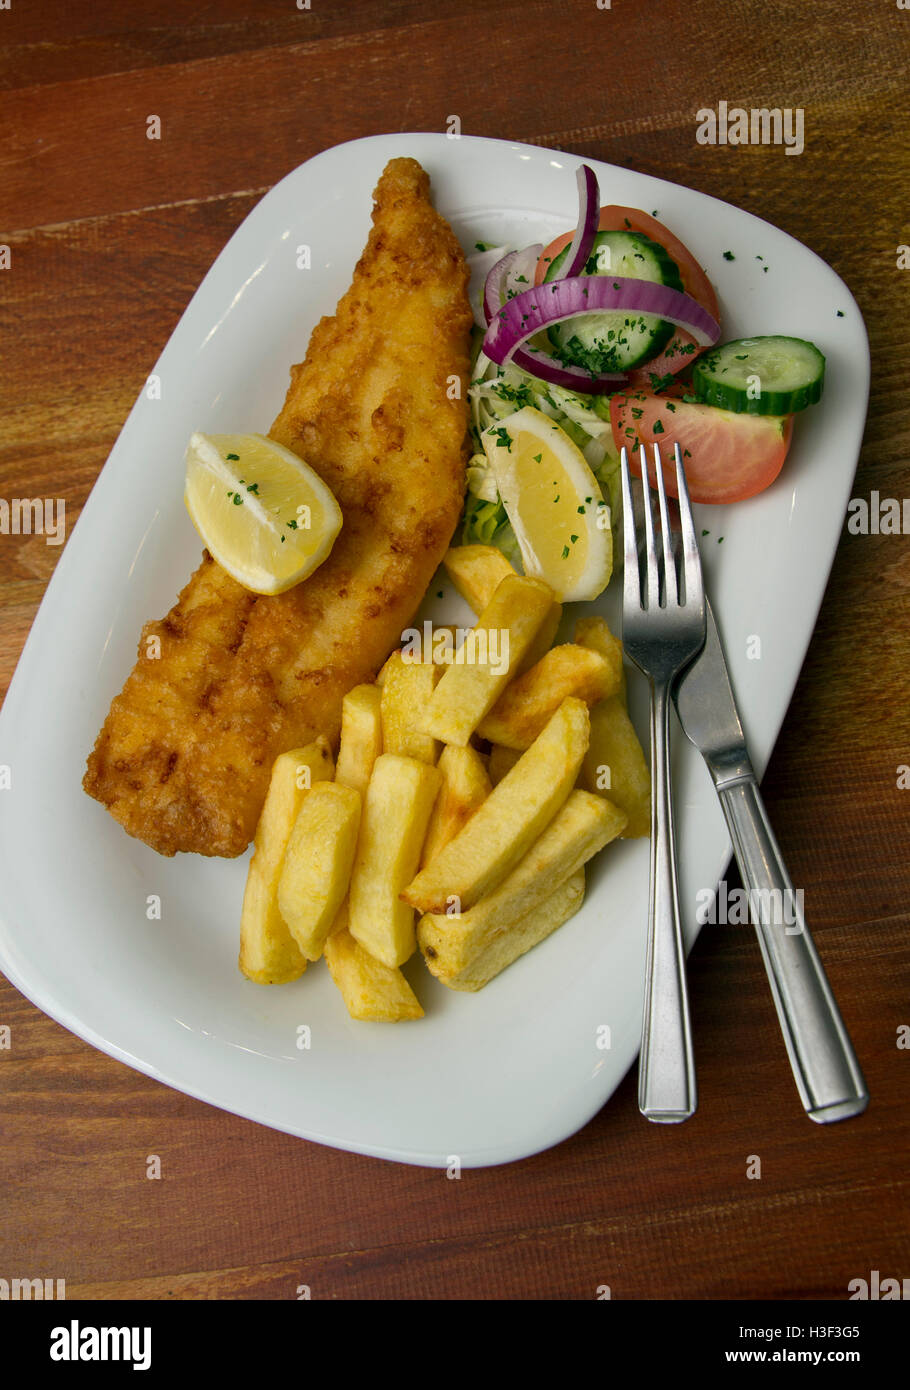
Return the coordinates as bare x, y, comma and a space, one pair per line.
378, 409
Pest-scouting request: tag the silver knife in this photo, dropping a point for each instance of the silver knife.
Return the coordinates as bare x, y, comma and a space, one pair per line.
828, 1076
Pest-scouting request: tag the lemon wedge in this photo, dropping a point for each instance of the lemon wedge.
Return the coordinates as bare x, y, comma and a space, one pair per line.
554, 502
262, 512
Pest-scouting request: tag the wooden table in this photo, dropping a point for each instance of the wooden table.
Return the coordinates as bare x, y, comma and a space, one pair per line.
110, 234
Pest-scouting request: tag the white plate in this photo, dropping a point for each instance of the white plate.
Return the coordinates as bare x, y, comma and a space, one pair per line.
486, 1078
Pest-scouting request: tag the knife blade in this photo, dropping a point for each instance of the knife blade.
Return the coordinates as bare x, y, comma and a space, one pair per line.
827, 1074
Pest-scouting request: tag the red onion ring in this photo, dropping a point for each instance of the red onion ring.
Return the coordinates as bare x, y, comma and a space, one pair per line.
588, 217
528, 313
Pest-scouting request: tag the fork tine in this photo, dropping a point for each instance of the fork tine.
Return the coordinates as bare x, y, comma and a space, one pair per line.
695, 592
652, 577
631, 583
671, 593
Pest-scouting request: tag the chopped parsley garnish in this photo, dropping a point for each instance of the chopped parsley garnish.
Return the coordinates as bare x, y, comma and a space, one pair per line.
481, 246
729, 256
519, 395
657, 427
605, 353
235, 457
537, 458
503, 438
565, 552
840, 313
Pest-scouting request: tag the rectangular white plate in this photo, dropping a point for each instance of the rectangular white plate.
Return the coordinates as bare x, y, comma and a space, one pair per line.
490, 1077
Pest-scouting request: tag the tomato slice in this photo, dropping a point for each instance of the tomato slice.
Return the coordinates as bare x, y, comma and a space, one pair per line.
679, 352
682, 348
727, 457
619, 219
695, 281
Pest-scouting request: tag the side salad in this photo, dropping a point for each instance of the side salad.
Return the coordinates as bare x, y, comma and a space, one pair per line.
610, 338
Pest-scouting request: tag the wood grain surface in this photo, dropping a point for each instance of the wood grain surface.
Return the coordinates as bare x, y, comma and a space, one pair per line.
110, 234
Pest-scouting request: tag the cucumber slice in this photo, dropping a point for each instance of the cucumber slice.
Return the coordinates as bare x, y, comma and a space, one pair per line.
616, 342
760, 376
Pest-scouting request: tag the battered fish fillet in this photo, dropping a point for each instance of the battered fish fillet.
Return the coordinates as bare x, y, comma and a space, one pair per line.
184, 757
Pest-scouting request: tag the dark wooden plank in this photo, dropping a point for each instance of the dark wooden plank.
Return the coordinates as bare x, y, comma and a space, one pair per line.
674, 1209
115, 36
60, 133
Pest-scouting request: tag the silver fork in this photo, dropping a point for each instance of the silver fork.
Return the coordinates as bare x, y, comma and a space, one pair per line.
662, 631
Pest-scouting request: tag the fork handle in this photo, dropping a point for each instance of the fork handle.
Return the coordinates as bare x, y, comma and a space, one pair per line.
666, 1077
828, 1076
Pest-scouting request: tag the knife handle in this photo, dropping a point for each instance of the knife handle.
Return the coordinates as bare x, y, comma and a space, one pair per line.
827, 1073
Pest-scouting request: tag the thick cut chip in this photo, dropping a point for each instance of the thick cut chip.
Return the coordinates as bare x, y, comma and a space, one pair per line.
476, 572
361, 737
487, 659
268, 952
318, 863
524, 933
393, 826
450, 943
543, 641
595, 634
615, 765
528, 702
510, 820
407, 686
371, 991
465, 786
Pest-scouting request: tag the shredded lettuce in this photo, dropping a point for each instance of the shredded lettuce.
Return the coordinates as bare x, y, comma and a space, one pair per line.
496, 392
481, 480
486, 523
